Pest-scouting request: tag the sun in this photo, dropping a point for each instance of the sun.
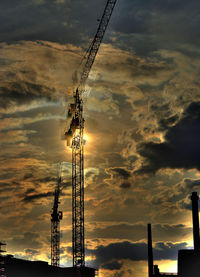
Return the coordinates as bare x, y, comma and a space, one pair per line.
87, 138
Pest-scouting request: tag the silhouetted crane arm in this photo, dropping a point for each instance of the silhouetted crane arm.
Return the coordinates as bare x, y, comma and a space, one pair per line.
94, 47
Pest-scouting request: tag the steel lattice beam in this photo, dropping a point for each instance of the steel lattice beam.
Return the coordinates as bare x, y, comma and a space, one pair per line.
94, 47
78, 189
55, 243
56, 216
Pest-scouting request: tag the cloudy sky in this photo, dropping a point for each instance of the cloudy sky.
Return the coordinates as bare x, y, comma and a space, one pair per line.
142, 156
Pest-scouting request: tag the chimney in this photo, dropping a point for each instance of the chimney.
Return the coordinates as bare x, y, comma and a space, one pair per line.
150, 251
195, 217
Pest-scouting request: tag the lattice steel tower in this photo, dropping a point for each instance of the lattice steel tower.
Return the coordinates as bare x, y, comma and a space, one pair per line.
56, 216
74, 137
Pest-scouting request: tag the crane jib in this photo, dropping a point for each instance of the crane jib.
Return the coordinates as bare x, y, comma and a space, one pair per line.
94, 47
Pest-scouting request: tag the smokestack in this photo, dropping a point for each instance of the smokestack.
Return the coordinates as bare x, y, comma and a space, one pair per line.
150, 251
195, 217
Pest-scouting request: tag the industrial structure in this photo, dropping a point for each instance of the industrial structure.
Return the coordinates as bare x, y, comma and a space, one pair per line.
56, 216
74, 137
2, 262
188, 259
150, 251
153, 270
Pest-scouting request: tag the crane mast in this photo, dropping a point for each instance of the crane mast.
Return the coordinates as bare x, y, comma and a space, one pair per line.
75, 140
56, 216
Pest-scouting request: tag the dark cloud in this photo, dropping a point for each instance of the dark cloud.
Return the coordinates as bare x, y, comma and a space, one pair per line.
136, 232
31, 252
28, 176
120, 273
70, 21
32, 197
181, 147
184, 190
23, 93
5, 185
121, 172
30, 190
113, 265
13, 186
113, 253
66, 184
37, 73
168, 250
134, 22
47, 179
187, 186
165, 26
27, 238
165, 123
125, 185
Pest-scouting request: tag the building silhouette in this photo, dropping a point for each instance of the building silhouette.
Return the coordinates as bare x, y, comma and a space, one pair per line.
23, 268
188, 259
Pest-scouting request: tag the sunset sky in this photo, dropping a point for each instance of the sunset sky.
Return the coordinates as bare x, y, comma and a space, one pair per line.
142, 125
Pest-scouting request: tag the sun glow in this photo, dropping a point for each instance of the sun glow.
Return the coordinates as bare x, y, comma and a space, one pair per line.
87, 138
167, 266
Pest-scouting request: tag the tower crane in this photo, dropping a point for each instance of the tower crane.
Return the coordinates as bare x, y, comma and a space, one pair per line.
56, 216
74, 138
